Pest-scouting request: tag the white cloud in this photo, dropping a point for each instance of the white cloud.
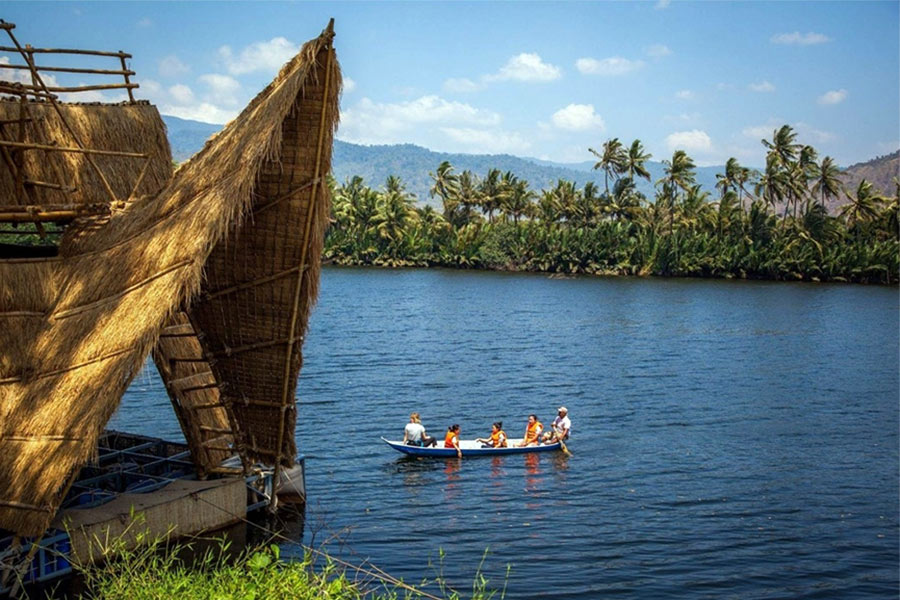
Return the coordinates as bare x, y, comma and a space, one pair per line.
181, 93
259, 56
527, 66
806, 134
762, 86
614, 65
800, 39
833, 97
661, 4
658, 51
460, 85
171, 66
150, 87
204, 112
222, 88
487, 141
694, 140
684, 95
759, 131
369, 122
578, 117
683, 118
349, 85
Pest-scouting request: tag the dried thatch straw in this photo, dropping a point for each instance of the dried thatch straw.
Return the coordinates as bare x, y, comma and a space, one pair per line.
131, 127
248, 209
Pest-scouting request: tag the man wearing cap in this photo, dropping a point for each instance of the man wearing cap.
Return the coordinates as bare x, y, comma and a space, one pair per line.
560, 427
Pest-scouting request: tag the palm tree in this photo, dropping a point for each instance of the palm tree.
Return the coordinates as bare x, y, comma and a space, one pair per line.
783, 145
490, 190
863, 205
635, 160
827, 183
516, 199
613, 159
446, 187
728, 180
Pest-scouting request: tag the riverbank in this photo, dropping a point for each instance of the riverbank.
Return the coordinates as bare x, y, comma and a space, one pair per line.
614, 248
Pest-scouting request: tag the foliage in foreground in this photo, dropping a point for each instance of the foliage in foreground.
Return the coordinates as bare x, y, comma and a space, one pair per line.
763, 225
156, 572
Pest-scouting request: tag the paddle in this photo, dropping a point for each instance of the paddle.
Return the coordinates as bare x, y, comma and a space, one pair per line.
562, 445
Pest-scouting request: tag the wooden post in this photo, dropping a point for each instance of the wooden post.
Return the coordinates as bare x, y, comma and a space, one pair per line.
127, 81
286, 388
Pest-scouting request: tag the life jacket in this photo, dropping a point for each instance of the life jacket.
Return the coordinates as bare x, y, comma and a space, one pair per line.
533, 431
448, 439
498, 439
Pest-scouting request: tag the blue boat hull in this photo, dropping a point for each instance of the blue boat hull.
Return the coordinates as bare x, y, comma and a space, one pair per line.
469, 448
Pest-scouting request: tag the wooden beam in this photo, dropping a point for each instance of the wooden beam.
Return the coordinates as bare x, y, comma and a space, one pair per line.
65, 50
72, 70
29, 146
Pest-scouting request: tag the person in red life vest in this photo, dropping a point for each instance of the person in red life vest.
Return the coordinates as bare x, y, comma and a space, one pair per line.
560, 427
497, 439
532, 432
451, 439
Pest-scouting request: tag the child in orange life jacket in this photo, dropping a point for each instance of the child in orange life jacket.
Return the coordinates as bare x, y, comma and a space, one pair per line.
451, 439
532, 432
497, 439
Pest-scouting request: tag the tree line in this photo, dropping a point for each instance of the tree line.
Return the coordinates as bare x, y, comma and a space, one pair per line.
771, 224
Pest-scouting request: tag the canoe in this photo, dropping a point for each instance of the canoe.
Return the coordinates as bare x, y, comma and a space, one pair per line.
469, 448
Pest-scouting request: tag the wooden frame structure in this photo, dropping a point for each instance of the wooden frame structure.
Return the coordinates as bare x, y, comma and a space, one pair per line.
213, 270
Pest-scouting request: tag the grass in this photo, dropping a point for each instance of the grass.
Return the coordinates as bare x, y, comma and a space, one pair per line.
157, 571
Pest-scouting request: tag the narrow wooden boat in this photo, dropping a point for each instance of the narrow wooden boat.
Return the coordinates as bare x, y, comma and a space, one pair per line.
469, 448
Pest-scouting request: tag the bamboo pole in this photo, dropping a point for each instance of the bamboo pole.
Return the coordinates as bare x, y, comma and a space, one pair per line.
59, 113
124, 71
81, 88
289, 356
119, 54
77, 150
38, 217
125, 75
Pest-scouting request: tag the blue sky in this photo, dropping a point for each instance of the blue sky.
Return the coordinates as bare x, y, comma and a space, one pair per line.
545, 80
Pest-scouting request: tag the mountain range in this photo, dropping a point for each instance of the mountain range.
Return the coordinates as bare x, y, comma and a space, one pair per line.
413, 163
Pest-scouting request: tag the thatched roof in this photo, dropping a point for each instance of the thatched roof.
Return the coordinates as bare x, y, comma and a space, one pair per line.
247, 211
134, 128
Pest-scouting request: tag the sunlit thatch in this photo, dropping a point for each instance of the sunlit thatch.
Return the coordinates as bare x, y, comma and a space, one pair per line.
235, 239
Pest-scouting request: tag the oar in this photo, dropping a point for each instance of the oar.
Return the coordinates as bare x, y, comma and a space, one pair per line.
562, 444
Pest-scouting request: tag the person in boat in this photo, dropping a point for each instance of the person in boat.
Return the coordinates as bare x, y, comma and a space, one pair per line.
532, 432
560, 427
451, 439
497, 439
414, 433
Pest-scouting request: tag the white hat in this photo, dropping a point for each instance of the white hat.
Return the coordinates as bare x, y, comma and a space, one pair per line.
562, 409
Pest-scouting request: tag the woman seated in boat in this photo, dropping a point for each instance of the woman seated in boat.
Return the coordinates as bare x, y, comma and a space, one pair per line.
451, 439
532, 432
560, 427
497, 439
414, 433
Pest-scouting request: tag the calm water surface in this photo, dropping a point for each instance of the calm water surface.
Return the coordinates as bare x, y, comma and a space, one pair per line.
730, 439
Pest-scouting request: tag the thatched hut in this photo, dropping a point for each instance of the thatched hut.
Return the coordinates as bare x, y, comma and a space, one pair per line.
216, 274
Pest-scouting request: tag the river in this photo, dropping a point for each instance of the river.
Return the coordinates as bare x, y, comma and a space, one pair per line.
730, 439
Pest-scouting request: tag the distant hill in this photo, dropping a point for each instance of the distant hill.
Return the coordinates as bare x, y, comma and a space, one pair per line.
879, 171
413, 163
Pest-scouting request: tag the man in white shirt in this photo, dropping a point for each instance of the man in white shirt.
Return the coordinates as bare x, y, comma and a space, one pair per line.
561, 426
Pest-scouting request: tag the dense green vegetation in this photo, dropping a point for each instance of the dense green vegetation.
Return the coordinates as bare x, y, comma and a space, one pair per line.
769, 225
156, 571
